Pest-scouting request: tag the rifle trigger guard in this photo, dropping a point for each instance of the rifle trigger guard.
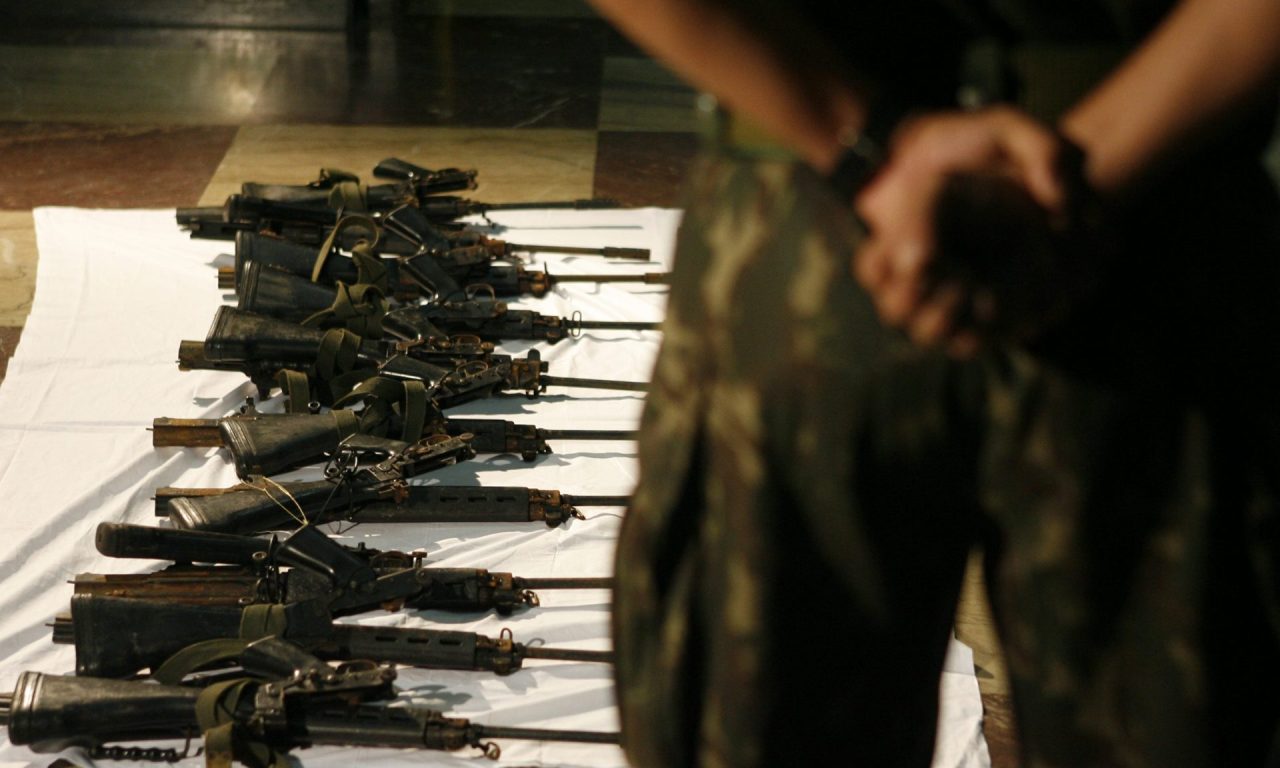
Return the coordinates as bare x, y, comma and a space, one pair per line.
574, 326
490, 749
404, 346
530, 598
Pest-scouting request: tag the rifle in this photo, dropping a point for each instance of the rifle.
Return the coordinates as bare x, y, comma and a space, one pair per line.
294, 298
339, 189
310, 224
421, 275
454, 373
304, 566
287, 699
493, 320
267, 444
119, 637
367, 496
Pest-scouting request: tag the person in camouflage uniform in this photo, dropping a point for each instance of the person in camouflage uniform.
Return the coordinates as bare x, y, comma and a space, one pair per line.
812, 480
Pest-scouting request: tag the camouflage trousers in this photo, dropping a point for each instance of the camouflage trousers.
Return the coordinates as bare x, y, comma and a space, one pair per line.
811, 486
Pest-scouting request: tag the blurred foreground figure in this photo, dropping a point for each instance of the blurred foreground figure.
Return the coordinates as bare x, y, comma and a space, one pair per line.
1046, 325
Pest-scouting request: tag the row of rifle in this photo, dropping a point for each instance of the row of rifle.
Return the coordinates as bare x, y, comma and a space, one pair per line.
373, 311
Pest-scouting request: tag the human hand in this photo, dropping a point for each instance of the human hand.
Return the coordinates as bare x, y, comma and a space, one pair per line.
961, 220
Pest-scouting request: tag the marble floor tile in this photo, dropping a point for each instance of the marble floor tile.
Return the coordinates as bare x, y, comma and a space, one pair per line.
132, 85
547, 9
456, 71
107, 166
549, 164
639, 94
641, 168
292, 14
17, 269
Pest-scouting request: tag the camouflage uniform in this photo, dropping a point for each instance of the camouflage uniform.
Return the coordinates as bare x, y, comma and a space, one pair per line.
811, 486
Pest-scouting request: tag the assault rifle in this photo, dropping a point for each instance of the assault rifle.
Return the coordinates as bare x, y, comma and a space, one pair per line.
267, 444
287, 699
339, 189
304, 566
367, 498
120, 637
294, 298
426, 273
455, 372
310, 224
365, 492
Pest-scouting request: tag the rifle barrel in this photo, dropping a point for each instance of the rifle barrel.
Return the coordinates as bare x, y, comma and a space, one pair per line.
650, 278
595, 501
594, 203
610, 252
588, 434
545, 734
567, 654
614, 325
573, 381
571, 582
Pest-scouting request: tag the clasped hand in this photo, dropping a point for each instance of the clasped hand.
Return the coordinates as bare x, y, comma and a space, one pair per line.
955, 264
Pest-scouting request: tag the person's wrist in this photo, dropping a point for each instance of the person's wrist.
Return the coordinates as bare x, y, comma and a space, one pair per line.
858, 161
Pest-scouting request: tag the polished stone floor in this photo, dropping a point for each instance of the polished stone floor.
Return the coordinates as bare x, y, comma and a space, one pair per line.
151, 105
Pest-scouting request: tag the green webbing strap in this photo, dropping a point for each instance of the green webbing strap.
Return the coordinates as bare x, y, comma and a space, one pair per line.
331, 242
224, 740
332, 389
337, 353
414, 410
296, 386
256, 622
347, 423
381, 396
346, 193
198, 656
359, 308
378, 396
263, 620
348, 196
370, 270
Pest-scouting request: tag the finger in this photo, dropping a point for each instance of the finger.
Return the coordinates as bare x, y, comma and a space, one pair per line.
1034, 152
900, 296
935, 320
871, 265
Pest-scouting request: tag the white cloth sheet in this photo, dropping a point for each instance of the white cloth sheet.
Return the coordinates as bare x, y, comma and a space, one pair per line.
118, 290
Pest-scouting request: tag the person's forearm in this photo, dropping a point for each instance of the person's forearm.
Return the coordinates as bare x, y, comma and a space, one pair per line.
1209, 59
713, 49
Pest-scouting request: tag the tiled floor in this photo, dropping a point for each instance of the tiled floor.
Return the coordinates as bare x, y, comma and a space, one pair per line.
144, 107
